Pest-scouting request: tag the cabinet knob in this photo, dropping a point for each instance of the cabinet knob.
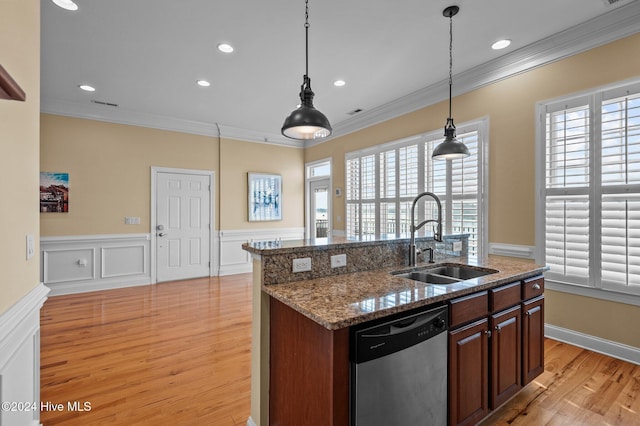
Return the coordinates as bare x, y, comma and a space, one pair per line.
536, 286
498, 328
488, 333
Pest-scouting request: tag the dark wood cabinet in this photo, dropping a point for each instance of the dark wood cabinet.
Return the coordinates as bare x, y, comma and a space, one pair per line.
532, 339
506, 365
496, 346
309, 371
469, 373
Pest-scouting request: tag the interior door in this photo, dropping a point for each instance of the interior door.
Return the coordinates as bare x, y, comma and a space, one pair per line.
319, 215
183, 226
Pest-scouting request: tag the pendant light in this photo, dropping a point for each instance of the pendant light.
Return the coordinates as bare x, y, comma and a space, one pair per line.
450, 148
306, 122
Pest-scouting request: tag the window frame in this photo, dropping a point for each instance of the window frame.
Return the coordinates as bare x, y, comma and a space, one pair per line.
480, 126
593, 285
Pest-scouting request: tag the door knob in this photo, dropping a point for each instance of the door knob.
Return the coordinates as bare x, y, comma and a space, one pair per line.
161, 234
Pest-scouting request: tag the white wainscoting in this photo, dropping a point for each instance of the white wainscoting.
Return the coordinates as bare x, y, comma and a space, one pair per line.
235, 260
20, 359
592, 343
512, 250
76, 264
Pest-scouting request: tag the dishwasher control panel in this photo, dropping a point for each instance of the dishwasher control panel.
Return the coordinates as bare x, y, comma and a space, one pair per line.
374, 341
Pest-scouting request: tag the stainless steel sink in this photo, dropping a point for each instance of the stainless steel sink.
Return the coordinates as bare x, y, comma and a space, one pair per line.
445, 274
428, 278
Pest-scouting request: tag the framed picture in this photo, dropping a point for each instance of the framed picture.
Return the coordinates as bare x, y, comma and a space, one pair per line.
265, 197
54, 192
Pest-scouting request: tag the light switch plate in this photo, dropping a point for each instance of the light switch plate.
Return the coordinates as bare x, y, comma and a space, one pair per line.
31, 246
457, 246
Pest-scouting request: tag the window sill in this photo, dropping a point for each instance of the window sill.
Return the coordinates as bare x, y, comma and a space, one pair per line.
595, 293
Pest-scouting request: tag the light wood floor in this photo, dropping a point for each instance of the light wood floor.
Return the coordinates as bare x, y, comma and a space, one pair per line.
170, 354
179, 354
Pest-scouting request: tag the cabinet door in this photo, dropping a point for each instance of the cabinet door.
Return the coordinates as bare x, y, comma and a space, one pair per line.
469, 373
506, 357
532, 339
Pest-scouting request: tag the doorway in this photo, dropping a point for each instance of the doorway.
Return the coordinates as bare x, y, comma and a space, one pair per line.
181, 220
318, 200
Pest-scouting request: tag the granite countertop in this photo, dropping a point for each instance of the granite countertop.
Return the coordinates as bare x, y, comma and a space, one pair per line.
344, 300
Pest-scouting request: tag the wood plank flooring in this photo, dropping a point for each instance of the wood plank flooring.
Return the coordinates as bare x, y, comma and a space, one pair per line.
578, 387
178, 353
175, 353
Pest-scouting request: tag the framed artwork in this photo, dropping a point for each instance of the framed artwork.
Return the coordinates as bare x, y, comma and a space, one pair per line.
265, 197
54, 192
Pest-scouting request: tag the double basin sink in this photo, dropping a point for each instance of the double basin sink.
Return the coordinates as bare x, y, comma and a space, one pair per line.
447, 273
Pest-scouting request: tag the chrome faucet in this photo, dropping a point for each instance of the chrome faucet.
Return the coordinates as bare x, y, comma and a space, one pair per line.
437, 234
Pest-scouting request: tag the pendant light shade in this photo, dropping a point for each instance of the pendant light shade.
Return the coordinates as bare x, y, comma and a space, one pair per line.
450, 148
306, 122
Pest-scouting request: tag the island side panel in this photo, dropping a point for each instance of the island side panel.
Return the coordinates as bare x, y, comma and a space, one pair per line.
259, 350
309, 372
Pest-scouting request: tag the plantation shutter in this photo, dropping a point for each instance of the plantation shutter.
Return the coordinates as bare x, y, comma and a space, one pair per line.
620, 201
567, 179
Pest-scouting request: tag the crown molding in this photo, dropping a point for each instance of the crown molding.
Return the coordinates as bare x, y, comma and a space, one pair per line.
611, 26
119, 115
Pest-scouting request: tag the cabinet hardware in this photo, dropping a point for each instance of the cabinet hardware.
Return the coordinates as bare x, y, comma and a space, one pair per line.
536, 286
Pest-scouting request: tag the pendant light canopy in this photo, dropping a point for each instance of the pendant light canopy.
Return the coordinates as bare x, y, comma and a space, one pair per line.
450, 148
306, 122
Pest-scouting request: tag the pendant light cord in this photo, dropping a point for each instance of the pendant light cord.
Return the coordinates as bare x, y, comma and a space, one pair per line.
450, 60
306, 30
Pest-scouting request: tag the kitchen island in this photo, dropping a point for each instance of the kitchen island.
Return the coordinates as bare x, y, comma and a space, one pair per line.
301, 323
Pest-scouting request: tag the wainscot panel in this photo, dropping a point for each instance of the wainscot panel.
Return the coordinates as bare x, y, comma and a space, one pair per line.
234, 260
70, 264
20, 360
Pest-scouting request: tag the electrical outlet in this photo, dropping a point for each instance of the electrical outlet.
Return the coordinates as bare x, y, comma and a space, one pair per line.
302, 265
339, 260
457, 246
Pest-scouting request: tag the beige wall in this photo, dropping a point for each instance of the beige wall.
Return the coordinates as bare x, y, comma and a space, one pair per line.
19, 145
239, 158
109, 168
510, 107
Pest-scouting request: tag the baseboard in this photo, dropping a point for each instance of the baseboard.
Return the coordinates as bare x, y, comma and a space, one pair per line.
20, 356
512, 250
592, 343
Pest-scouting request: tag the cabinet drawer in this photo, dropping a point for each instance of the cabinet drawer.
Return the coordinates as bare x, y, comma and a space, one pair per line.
532, 287
468, 308
504, 297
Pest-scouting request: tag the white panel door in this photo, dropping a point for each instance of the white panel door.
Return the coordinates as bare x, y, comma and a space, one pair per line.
183, 230
319, 215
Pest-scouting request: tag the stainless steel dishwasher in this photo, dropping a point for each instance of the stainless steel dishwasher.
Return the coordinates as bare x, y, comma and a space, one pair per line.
399, 371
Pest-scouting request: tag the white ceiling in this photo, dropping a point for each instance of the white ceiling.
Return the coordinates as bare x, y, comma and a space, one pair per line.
146, 55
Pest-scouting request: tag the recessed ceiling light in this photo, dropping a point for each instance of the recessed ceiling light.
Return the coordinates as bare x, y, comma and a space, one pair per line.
501, 44
203, 83
225, 47
339, 83
87, 88
66, 4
